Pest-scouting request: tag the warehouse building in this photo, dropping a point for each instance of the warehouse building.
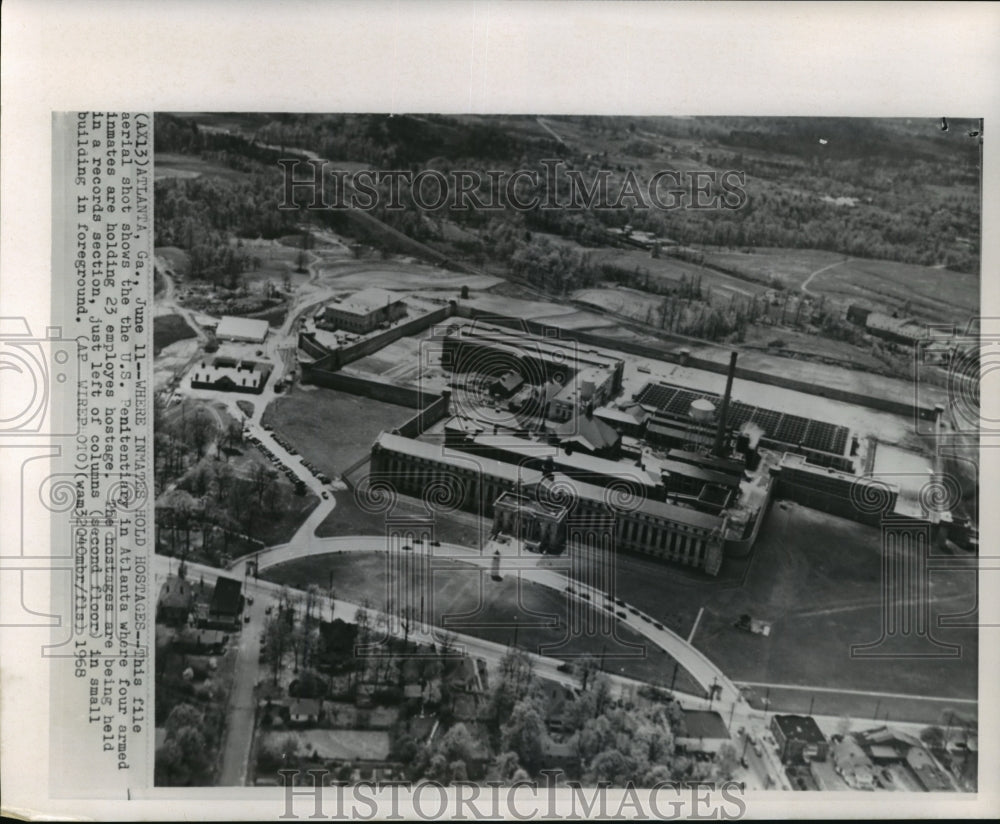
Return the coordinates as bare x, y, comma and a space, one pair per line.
363, 311
244, 330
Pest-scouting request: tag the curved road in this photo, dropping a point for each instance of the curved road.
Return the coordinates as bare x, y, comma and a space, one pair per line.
693, 660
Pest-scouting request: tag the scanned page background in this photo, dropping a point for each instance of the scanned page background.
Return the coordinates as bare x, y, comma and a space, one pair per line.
845, 59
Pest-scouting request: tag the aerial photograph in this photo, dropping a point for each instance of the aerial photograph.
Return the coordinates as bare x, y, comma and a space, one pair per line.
625, 450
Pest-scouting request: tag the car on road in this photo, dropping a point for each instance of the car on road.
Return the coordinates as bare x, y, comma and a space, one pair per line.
620, 602
249, 600
407, 547
657, 624
621, 614
633, 610
326, 495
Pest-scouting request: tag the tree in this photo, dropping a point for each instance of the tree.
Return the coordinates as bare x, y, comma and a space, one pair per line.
277, 634
933, 737
524, 734
726, 762
506, 764
263, 479
185, 757
610, 766
201, 429
588, 666
457, 744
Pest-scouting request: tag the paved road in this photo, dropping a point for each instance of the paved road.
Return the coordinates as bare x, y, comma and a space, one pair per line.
241, 710
706, 673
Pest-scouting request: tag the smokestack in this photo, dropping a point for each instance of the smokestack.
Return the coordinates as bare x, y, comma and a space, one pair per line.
720, 430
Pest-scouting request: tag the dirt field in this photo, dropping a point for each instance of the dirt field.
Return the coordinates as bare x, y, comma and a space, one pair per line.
818, 579
332, 429
467, 601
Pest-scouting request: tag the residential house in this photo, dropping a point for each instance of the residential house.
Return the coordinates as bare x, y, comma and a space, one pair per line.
201, 642
853, 765
305, 711
704, 732
175, 602
226, 604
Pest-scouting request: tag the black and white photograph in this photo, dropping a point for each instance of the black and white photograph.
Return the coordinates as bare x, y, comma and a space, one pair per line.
614, 450
495, 410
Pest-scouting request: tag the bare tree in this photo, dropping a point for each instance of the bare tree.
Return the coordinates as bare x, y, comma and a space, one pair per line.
201, 429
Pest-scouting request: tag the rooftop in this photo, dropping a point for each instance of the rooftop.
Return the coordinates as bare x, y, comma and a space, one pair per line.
800, 728
460, 460
226, 596
367, 301
589, 430
241, 373
900, 326
248, 328
305, 706
566, 352
704, 724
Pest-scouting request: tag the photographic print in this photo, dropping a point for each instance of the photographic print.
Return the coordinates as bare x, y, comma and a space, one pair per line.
609, 450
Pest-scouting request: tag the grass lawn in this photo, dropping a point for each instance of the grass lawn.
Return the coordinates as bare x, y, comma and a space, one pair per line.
330, 428
347, 518
168, 329
818, 579
463, 598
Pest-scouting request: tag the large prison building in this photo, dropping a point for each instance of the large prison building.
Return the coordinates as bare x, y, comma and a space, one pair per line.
474, 483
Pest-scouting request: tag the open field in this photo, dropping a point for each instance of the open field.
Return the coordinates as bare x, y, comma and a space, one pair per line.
402, 277
177, 259
816, 577
935, 294
190, 166
669, 271
276, 262
330, 428
466, 600
168, 329
348, 518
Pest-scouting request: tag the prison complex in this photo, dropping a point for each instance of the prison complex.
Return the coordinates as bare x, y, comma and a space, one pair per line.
517, 496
